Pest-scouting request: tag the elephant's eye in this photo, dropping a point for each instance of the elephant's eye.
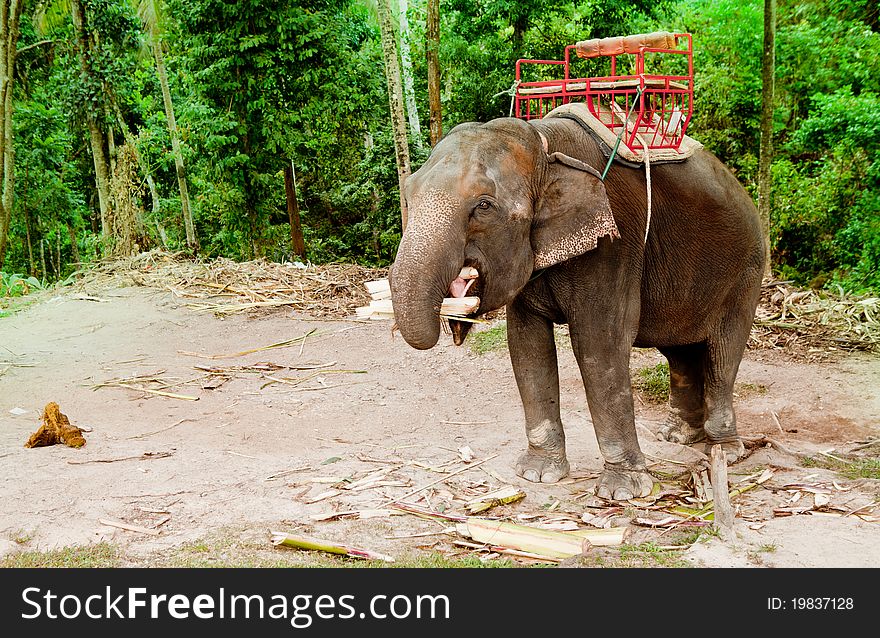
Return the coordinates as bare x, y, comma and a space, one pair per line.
483, 204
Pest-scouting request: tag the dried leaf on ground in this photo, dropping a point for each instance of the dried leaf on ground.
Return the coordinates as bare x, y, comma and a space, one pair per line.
56, 428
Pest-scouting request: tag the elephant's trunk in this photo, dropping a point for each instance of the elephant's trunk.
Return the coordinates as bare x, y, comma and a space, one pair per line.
428, 260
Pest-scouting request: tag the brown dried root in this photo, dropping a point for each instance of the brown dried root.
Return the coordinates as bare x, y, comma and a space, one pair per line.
56, 428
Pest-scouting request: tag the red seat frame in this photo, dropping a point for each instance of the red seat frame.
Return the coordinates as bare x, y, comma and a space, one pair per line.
659, 105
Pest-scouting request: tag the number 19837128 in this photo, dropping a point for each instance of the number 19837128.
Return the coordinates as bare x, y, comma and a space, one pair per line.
809, 603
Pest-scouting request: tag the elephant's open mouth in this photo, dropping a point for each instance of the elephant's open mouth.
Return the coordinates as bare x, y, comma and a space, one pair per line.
467, 284
465, 281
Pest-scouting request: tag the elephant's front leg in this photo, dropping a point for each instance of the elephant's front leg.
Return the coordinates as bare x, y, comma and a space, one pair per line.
604, 368
533, 355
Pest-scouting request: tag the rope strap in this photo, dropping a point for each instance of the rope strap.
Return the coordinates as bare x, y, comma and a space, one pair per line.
511, 92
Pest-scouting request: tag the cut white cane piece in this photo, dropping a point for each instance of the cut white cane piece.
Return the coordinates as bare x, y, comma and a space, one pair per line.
459, 306
379, 289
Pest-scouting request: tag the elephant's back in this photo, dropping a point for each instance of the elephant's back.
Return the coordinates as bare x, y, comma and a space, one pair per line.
704, 249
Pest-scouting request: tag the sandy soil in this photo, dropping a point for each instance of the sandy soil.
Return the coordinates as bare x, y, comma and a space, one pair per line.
209, 461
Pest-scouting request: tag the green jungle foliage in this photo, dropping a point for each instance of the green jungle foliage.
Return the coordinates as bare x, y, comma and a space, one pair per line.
261, 84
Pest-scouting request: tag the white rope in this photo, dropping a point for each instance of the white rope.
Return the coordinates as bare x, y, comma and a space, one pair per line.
646, 155
511, 92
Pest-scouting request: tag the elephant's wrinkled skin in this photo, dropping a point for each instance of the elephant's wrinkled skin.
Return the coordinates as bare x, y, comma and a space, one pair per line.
491, 197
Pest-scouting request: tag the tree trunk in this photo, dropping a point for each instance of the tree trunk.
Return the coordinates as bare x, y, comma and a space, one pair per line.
27, 220
10, 13
102, 175
297, 242
154, 198
32, 268
74, 245
520, 24
765, 179
45, 275
432, 52
406, 67
395, 101
58, 254
111, 149
192, 240
96, 133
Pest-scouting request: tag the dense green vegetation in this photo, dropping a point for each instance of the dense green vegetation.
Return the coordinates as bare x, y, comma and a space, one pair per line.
259, 85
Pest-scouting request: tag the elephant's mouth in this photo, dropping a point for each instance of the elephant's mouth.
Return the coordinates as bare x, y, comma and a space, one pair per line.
468, 283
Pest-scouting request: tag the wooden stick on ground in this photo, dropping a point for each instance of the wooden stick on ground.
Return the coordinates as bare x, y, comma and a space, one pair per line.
146, 434
128, 527
723, 510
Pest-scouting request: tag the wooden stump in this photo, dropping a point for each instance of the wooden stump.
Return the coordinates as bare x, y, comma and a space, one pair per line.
723, 509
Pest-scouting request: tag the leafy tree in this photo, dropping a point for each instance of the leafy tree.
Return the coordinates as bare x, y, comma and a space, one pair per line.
271, 85
150, 13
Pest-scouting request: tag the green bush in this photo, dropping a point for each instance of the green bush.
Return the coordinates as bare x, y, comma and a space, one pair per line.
17, 285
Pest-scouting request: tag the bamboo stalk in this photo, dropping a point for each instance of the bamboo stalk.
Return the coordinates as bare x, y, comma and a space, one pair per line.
320, 545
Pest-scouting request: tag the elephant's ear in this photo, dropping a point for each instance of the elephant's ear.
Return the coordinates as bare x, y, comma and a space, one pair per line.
571, 214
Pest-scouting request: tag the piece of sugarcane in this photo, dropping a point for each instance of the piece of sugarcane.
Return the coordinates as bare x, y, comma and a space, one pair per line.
459, 306
379, 289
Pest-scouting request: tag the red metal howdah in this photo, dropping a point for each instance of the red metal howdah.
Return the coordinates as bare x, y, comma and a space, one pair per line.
659, 104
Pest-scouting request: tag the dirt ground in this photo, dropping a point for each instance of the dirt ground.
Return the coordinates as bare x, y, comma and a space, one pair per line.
247, 457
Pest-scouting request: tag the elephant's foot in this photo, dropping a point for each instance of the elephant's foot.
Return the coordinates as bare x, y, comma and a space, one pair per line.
622, 484
677, 430
540, 467
733, 450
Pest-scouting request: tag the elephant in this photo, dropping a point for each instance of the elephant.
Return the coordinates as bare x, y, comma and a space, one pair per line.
523, 203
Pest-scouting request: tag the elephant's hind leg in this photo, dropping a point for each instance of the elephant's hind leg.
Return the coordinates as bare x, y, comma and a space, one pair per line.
533, 355
723, 356
684, 424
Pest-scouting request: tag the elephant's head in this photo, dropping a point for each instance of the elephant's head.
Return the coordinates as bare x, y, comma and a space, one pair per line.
489, 197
